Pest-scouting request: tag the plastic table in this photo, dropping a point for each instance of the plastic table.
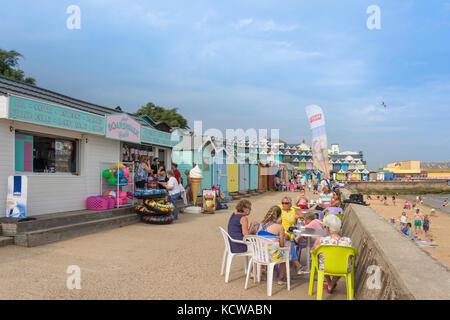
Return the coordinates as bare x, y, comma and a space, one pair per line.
308, 233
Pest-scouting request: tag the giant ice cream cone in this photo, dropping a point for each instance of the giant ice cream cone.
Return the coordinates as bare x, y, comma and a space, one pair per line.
195, 187
196, 176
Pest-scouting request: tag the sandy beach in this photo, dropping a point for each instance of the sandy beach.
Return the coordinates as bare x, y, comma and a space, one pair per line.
439, 223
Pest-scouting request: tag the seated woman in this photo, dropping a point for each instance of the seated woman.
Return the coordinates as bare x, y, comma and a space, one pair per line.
302, 200
271, 228
336, 199
324, 199
238, 226
289, 215
332, 226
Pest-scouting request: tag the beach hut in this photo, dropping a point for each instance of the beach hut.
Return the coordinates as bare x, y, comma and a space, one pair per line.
380, 176
253, 176
356, 175
365, 175
389, 176
232, 177
185, 155
262, 177
372, 176
244, 177
219, 169
340, 175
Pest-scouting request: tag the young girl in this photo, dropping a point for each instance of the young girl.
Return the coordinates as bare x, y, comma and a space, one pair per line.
272, 229
409, 231
403, 220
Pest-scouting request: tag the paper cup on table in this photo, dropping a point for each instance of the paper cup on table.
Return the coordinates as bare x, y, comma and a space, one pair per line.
195, 187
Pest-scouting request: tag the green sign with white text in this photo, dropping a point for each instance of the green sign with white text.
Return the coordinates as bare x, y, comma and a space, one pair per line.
55, 116
153, 136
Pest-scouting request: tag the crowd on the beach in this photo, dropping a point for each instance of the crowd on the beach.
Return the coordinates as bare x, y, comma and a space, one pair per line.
414, 225
277, 227
298, 182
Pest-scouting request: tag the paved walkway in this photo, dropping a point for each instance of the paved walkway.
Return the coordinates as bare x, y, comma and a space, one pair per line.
177, 261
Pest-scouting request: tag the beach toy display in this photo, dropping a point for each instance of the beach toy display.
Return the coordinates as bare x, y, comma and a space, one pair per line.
119, 174
196, 176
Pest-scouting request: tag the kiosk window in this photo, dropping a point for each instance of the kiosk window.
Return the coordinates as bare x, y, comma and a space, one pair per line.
45, 154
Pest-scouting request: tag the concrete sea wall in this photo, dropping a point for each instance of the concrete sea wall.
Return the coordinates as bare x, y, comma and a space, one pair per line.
397, 185
390, 266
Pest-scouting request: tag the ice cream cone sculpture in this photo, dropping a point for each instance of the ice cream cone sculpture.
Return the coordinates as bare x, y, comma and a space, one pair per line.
196, 176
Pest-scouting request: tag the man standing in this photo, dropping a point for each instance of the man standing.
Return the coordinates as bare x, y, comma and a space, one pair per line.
172, 187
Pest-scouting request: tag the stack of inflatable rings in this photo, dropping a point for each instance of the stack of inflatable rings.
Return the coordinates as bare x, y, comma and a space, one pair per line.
158, 208
142, 210
157, 219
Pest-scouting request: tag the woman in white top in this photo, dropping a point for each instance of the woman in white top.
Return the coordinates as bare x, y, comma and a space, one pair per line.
173, 189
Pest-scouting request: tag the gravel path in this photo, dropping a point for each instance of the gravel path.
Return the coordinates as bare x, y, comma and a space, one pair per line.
177, 261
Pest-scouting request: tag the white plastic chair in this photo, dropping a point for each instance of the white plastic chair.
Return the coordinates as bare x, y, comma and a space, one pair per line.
228, 255
259, 246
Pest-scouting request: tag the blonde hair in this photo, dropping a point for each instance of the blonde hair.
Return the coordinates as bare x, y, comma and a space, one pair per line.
272, 215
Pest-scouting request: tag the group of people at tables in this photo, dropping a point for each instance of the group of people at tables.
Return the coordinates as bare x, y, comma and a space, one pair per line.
275, 227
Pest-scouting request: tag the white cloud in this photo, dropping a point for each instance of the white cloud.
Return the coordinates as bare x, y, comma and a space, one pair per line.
242, 23
272, 26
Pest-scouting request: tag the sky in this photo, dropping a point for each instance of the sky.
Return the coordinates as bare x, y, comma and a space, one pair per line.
254, 64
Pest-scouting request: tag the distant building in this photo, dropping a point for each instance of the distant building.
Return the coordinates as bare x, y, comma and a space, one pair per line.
346, 165
416, 169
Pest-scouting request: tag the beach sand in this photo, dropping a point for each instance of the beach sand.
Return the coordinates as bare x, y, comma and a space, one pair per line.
439, 224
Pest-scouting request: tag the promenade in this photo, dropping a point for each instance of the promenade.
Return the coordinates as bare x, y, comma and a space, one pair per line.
177, 261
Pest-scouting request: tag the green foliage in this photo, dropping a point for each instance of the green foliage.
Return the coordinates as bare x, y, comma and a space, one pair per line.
9, 66
169, 116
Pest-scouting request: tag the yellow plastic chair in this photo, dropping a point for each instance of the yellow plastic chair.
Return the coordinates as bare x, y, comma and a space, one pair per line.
335, 264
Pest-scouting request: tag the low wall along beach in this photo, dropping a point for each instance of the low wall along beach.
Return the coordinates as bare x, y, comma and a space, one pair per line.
400, 186
390, 266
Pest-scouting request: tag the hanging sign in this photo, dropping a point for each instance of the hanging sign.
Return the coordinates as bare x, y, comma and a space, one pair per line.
54, 116
122, 127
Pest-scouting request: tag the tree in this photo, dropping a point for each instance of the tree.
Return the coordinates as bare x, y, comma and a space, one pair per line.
9, 66
169, 116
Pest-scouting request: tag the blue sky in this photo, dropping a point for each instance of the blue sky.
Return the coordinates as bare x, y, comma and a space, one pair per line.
255, 64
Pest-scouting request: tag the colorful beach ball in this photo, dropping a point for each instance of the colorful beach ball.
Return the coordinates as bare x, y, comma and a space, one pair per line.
112, 180
107, 173
118, 173
111, 193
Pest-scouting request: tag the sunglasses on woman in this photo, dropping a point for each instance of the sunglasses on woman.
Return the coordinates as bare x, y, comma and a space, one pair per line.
285, 203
